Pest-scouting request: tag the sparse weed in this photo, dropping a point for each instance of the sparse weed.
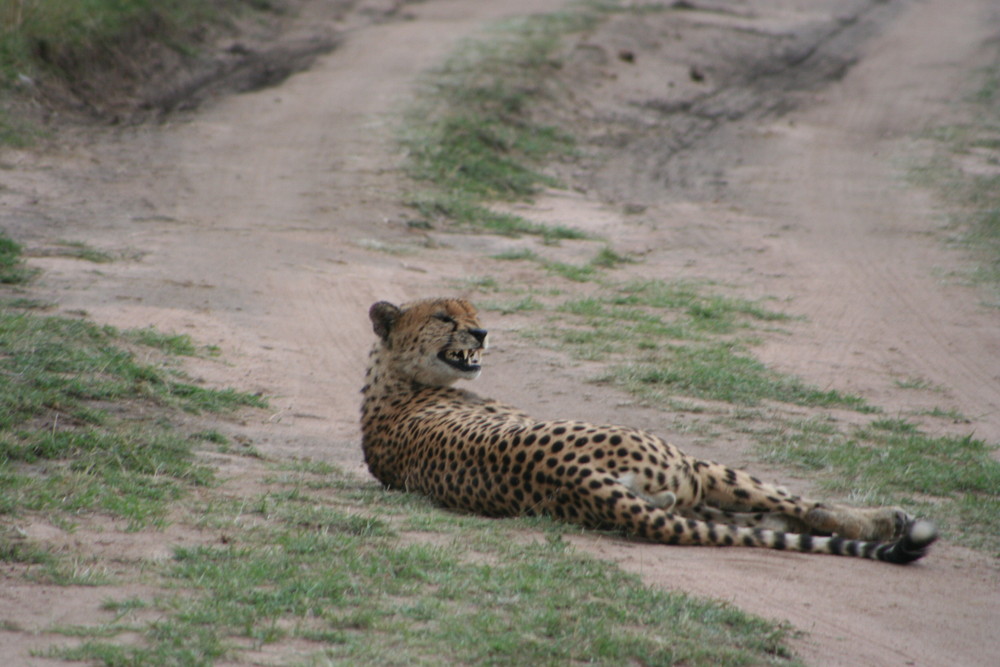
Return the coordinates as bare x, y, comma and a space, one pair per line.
950, 414
506, 307
84, 251
914, 383
517, 255
972, 193
16, 132
466, 211
604, 259
487, 284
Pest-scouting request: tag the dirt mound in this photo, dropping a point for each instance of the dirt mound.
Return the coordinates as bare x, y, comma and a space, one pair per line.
156, 67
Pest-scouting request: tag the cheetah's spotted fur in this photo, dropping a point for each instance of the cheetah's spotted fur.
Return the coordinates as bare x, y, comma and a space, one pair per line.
476, 454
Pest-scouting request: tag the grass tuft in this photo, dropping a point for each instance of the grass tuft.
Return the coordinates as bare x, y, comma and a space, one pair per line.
12, 269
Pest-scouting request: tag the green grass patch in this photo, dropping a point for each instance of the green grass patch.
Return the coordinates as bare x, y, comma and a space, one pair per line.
484, 154
15, 549
44, 565
712, 311
719, 372
656, 309
956, 480
664, 339
330, 570
81, 420
472, 134
579, 273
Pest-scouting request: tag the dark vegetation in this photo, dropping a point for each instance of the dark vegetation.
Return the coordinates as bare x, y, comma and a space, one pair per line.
118, 60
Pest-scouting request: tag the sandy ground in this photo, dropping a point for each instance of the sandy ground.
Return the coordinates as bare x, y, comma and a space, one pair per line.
268, 222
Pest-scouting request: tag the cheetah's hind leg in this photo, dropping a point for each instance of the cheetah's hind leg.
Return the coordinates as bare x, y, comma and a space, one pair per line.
736, 490
878, 523
776, 521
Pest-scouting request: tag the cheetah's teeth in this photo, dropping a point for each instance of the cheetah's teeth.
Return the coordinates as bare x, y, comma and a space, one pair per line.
470, 357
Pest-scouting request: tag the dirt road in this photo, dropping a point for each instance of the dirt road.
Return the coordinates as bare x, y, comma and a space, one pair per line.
268, 222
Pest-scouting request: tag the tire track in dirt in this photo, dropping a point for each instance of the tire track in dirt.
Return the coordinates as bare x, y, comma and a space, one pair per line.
864, 247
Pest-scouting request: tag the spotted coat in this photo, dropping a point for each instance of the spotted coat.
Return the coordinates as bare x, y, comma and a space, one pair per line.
470, 453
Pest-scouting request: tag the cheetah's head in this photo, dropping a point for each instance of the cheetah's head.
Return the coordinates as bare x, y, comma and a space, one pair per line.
432, 342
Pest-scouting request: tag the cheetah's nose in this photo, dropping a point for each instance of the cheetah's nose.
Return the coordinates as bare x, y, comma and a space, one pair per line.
478, 334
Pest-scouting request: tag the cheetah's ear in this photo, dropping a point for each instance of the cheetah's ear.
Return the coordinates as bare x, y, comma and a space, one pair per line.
383, 315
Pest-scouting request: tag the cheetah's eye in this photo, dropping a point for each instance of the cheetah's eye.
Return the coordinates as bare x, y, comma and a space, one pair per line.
444, 318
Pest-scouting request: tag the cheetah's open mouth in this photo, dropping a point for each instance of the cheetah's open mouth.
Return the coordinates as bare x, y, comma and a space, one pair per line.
466, 361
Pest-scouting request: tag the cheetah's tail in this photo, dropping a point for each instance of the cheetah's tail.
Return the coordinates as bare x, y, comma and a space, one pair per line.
912, 546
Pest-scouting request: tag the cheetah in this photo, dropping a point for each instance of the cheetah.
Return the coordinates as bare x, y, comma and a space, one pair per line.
474, 454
